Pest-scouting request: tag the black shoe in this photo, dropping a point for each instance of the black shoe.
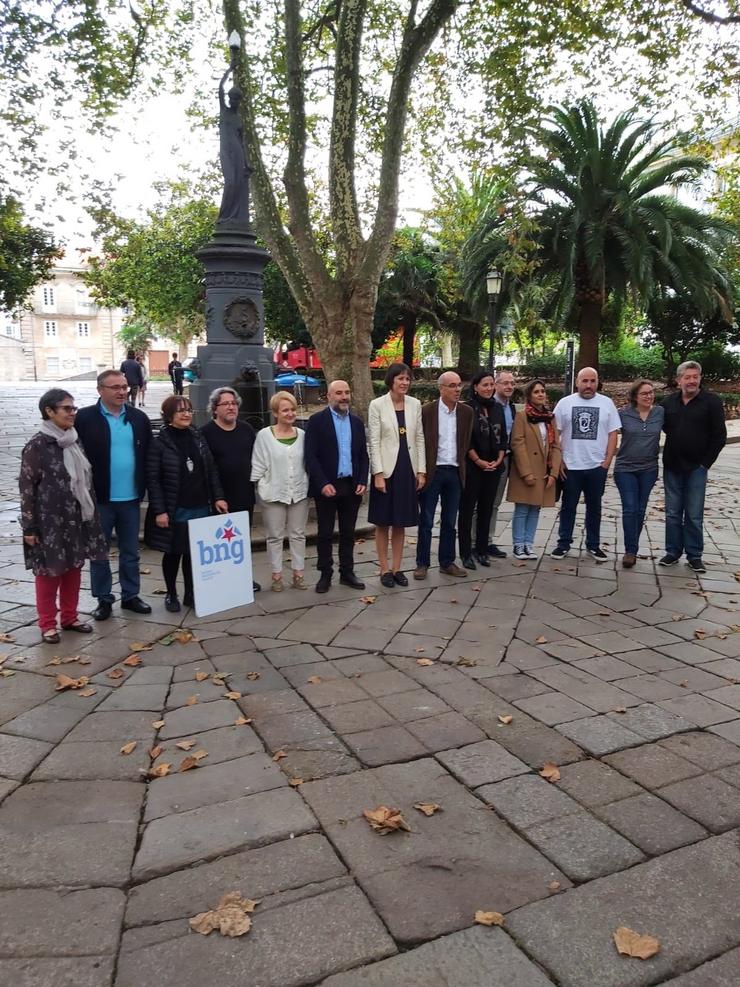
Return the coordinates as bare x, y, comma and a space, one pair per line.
79, 627
387, 580
668, 560
256, 587
400, 579
171, 603
469, 563
559, 552
495, 552
697, 565
597, 555
103, 610
350, 579
322, 586
136, 604
188, 601
483, 560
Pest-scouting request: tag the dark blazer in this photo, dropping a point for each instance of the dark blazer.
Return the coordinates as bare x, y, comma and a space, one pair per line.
94, 434
322, 452
163, 478
695, 433
131, 370
430, 421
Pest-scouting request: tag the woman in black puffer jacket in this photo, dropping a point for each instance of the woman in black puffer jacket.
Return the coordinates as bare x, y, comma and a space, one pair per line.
183, 484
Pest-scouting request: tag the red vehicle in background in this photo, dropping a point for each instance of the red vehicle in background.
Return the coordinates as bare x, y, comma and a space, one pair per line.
289, 357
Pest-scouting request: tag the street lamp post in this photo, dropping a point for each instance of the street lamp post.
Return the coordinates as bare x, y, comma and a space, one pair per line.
493, 287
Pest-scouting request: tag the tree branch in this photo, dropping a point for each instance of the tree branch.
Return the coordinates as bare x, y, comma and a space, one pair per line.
416, 43
342, 193
708, 16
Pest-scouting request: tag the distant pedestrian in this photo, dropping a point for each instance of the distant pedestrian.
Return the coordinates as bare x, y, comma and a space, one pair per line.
636, 462
535, 466
448, 424
183, 485
588, 424
174, 369
231, 441
116, 438
144, 379
483, 473
502, 395
282, 486
695, 435
131, 370
59, 521
398, 468
337, 465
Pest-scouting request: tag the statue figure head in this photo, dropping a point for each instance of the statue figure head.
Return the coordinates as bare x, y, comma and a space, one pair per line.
235, 97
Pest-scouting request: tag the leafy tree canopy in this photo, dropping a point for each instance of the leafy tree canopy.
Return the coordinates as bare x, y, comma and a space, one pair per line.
27, 255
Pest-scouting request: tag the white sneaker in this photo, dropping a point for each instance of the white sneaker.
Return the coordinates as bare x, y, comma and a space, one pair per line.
531, 554
520, 552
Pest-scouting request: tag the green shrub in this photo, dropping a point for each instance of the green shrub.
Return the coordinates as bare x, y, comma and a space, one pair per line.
717, 363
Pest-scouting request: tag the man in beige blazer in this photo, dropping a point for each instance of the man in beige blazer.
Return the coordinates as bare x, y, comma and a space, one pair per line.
448, 425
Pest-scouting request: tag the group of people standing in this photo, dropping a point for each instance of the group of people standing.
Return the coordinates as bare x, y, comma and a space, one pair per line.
84, 476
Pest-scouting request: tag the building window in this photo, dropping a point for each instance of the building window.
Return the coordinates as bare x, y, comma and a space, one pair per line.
82, 301
83, 330
52, 366
49, 299
85, 364
50, 330
9, 329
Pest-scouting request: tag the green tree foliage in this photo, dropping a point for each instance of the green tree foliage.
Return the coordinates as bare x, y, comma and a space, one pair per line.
682, 331
136, 335
27, 255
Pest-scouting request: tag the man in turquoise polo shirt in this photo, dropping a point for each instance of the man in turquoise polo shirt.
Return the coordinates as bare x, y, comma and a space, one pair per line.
116, 439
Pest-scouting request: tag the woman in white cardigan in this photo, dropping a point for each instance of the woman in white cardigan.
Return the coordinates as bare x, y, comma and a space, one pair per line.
282, 487
398, 467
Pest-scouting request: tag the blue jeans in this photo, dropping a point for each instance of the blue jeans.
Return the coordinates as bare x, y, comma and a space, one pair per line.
444, 486
122, 515
684, 512
591, 484
634, 491
524, 523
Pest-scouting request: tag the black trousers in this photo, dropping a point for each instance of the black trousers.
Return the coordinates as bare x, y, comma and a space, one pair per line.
478, 494
343, 507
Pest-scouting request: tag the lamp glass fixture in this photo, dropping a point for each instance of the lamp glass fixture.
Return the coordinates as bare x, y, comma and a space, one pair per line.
493, 282
234, 40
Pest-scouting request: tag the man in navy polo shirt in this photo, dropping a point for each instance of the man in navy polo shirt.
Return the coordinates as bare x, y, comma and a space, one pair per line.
116, 437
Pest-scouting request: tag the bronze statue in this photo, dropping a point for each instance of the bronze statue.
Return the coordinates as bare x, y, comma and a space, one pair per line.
236, 171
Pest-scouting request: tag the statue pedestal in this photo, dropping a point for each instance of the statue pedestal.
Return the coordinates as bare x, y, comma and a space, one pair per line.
234, 353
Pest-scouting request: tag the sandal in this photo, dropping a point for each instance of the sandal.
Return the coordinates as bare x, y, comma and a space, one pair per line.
299, 582
50, 637
277, 585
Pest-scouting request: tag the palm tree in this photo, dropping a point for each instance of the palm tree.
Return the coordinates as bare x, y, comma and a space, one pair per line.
604, 228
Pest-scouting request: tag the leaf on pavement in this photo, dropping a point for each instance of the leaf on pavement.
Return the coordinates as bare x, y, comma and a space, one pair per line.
466, 662
540, 640
182, 636
187, 763
7, 672
253, 676
424, 662
314, 679
155, 751
700, 633
186, 745
230, 917
279, 755
56, 660
242, 721
232, 695
505, 718
384, 820
132, 661
129, 747
428, 808
550, 772
86, 693
7, 639
295, 782
65, 682
160, 771
157, 724
141, 646
145, 570
553, 886
191, 700
368, 599
631, 943
115, 673
201, 676
199, 755
489, 918
619, 709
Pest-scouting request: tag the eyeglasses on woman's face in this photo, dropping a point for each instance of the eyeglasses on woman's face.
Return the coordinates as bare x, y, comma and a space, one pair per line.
69, 408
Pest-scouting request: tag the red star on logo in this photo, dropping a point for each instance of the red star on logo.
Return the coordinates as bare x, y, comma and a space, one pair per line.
229, 534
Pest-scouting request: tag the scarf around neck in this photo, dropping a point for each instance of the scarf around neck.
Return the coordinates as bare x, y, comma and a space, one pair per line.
76, 464
541, 416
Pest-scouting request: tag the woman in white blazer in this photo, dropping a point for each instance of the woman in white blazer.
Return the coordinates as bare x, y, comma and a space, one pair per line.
398, 467
282, 487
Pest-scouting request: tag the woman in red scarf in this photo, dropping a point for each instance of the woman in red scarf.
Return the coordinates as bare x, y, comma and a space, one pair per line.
535, 464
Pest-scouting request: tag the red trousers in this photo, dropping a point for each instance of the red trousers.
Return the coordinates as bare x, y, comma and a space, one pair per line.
68, 586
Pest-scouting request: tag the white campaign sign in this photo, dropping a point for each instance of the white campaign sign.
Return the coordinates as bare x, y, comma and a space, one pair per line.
221, 555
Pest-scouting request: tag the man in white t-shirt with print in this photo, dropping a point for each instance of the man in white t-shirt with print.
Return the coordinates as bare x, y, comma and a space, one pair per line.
588, 423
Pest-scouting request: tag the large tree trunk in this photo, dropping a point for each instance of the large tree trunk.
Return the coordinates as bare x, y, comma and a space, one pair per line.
589, 327
409, 335
469, 358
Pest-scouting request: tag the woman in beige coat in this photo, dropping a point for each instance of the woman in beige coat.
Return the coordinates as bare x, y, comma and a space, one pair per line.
535, 464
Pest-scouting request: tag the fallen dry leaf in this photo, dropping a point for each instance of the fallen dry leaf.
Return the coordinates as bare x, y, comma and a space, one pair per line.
132, 661
56, 660
553, 886
230, 917
619, 709
253, 676
201, 676
428, 808
676, 616
129, 747
186, 745
160, 771
65, 682
279, 755
191, 700
182, 636
159, 592
86, 693
157, 724
466, 662
384, 820
187, 763
700, 633
541, 640
145, 570
154, 752
295, 782
232, 695
314, 679
7, 672
7, 639
489, 918
550, 772
631, 943
520, 565
368, 599
115, 673
199, 755
506, 718
418, 651
424, 662
242, 721
141, 646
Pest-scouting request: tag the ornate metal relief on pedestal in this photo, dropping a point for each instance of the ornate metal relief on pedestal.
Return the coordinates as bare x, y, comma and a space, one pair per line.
241, 318
223, 279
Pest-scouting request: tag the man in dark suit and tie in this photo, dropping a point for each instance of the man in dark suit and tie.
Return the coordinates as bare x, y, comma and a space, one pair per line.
337, 465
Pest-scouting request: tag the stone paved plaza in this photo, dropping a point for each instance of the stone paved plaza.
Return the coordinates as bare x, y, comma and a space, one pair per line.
629, 682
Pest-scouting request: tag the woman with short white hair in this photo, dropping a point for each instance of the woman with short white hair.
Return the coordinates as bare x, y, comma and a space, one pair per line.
282, 487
